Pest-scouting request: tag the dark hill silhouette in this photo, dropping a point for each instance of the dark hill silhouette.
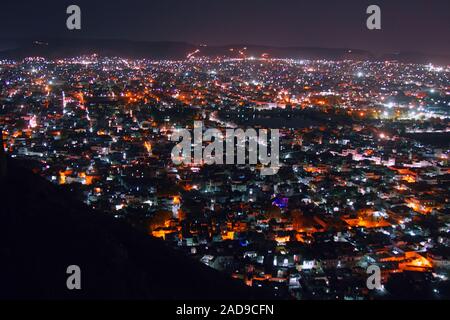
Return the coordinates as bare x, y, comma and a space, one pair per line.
43, 230
60, 48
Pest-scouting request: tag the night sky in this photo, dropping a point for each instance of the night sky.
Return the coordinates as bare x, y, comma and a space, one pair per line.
407, 25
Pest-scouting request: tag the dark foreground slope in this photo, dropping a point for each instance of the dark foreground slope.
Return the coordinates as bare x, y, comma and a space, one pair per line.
42, 231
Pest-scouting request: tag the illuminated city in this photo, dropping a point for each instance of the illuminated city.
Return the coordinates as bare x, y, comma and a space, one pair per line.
363, 176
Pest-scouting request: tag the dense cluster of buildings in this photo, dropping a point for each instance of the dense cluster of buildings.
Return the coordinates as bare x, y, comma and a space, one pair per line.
364, 176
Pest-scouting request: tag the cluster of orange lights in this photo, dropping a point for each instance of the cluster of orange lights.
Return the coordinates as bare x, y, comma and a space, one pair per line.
86, 179
148, 146
418, 206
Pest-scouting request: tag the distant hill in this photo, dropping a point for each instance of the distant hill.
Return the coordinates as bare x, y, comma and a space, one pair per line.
59, 48
43, 230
